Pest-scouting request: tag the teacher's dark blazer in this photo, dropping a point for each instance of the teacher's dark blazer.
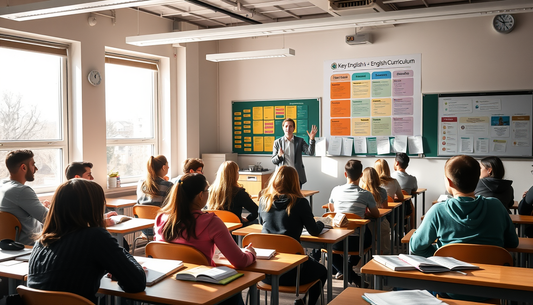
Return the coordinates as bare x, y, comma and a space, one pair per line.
300, 146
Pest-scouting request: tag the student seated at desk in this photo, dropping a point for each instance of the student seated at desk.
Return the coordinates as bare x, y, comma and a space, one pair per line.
370, 182
284, 210
525, 207
226, 194
391, 185
182, 221
190, 166
154, 189
464, 218
75, 250
492, 184
350, 198
407, 182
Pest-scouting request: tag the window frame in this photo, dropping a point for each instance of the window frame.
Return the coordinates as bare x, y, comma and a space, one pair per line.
63, 144
145, 63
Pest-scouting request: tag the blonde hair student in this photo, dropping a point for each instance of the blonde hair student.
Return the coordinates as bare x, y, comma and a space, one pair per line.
284, 210
390, 184
227, 194
75, 250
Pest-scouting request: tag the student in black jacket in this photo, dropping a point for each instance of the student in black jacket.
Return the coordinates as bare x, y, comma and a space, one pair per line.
75, 250
284, 210
492, 184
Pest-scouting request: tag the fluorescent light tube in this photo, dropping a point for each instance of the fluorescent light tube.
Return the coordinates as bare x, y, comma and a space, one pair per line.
250, 55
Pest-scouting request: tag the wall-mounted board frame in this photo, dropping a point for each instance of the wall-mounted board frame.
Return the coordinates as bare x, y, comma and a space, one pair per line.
257, 124
478, 124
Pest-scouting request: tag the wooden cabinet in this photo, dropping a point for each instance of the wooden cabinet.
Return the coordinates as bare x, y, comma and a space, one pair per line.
254, 182
213, 161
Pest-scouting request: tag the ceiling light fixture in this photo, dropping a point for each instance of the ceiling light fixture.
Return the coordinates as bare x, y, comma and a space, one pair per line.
250, 55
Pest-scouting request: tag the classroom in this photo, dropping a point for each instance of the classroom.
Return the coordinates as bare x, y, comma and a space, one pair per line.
195, 95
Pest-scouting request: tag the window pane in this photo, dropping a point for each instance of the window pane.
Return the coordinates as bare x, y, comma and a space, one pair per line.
30, 96
129, 94
128, 160
49, 168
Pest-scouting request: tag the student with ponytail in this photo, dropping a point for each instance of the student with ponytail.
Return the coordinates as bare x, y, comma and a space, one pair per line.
153, 190
182, 221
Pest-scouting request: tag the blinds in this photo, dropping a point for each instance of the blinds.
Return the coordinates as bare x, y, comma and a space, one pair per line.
33, 45
132, 61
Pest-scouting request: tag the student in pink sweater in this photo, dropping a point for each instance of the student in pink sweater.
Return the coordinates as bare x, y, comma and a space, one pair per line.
181, 221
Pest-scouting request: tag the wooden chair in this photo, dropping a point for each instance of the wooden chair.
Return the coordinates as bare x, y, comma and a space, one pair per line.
282, 244
325, 207
146, 212
188, 254
473, 253
10, 226
366, 251
480, 254
226, 216
31, 296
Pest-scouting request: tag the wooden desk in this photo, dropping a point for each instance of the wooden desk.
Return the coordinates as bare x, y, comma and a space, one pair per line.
326, 240
276, 266
522, 221
130, 226
120, 203
500, 282
354, 296
423, 192
233, 225
14, 271
172, 291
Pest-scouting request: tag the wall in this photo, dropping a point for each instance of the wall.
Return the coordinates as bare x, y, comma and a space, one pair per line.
462, 55
88, 102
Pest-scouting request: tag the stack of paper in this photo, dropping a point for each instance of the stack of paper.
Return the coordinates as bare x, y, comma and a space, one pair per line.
404, 297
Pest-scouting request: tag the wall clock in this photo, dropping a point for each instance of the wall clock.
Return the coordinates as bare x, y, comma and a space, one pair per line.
503, 23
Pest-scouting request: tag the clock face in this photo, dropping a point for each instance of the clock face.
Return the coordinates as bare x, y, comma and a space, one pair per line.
94, 78
503, 23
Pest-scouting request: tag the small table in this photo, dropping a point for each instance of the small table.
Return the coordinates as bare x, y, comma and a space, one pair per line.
326, 240
172, 291
354, 296
491, 281
276, 267
522, 221
15, 271
120, 203
130, 226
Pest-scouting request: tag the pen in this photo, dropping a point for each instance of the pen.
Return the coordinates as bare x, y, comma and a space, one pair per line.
461, 272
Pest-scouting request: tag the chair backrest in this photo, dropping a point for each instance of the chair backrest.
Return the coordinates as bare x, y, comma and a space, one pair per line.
390, 199
31, 296
226, 216
472, 253
145, 211
10, 226
348, 215
188, 254
405, 192
278, 242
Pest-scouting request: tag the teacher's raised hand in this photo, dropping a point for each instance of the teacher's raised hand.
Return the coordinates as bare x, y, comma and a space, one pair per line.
313, 132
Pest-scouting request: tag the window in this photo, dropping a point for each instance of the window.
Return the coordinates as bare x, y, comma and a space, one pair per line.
131, 114
33, 106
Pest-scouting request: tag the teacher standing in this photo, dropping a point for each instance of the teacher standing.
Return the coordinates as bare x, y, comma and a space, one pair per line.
288, 149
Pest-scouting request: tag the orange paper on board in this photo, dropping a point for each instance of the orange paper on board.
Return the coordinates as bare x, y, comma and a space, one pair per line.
340, 127
340, 109
340, 90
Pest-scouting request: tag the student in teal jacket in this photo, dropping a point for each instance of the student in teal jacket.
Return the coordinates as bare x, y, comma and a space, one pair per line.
465, 218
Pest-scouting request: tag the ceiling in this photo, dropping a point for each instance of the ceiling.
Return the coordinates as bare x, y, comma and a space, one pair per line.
228, 13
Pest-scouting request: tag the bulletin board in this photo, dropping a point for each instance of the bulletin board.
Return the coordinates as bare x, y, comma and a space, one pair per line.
257, 124
478, 124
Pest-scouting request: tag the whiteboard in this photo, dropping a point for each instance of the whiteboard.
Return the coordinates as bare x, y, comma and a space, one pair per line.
476, 124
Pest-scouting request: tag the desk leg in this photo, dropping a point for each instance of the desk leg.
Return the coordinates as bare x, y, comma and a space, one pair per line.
274, 295
346, 259
378, 237
401, 227
361, 252
12, 286
311, 201
378, 282
424, 203
394, 231
239, 240
330, 268
416, 207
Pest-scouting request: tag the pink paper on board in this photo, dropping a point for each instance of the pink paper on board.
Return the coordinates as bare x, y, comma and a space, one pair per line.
402, 87
402, 106
402, 126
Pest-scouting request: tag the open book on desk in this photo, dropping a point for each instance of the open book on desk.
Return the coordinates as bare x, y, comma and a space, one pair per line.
158, 269
120, 218
305, 233
216, 275
404, 297
405, 262
436, 263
